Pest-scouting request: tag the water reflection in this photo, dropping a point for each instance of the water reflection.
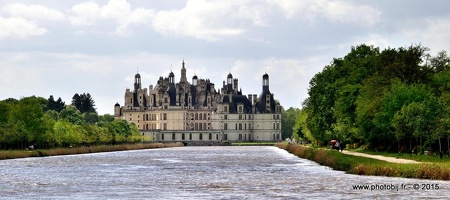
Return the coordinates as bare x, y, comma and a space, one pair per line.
193, 173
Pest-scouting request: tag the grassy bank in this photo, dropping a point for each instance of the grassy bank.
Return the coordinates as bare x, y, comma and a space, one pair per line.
368, 166
253, 143
11, 154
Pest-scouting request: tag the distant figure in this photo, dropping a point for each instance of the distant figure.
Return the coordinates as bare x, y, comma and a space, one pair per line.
31, 147
337, 145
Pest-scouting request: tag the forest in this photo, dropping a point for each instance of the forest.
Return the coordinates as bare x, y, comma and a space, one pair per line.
46, 123
396, 99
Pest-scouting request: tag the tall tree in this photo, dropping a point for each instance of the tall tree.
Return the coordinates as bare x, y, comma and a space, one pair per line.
84, 102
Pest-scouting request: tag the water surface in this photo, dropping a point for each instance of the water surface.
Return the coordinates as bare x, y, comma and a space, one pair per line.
197, 173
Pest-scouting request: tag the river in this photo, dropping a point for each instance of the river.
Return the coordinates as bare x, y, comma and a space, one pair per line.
198, 173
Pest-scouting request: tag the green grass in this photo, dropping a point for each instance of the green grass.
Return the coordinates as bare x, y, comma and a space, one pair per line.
253, 143
421, 158
368, 166
12, 154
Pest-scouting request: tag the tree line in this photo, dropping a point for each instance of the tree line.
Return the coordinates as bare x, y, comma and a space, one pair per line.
396, 99
46, 123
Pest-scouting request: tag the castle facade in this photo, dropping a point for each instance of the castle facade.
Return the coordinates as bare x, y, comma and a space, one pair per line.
196, 112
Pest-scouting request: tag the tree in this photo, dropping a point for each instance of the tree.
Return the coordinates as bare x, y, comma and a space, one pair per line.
91, 117
288, 119
441, 62
27, 115
84, 102
55, 105
72, 115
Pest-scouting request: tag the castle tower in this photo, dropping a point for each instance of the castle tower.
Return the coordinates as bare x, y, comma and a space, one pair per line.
137, 82
265, 82
183, 73
229, 83
171, 77
117, 110
194, 80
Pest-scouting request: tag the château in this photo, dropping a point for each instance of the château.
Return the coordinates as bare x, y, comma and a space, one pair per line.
196, 112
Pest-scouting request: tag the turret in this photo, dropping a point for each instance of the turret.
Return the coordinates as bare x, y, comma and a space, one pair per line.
194, 80
137, 82
117, 110
183, 73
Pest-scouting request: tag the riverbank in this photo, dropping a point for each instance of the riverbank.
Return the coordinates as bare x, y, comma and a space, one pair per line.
253, 143
12, 154
368, 166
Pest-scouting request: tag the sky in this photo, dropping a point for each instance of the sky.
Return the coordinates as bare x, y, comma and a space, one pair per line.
59, 48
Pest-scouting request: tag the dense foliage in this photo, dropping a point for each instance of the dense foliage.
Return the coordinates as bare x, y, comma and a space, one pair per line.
47, 123
394, 99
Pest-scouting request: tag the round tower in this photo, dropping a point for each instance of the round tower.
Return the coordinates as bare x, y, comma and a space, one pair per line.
137, 81
117, 110
194, 80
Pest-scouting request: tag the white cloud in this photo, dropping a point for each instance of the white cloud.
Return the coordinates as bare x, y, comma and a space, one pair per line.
19, 28
338, 11
116, 9
199, 19
437, 34
119, 11
85, 14
33, 12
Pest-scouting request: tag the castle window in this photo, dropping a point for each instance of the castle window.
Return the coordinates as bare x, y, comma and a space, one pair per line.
190, 136
165, 116
225, 126
200, 136
240, 109
225, 136
210, 136
225, 117
240, 136
165, 126
240, 117
173, 136
162, 136
182, 136
240, 126
225, 109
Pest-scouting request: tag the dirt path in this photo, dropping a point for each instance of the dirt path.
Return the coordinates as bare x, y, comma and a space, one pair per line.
378, 157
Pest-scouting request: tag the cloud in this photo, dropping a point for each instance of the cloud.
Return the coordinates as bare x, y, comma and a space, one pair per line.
337, 11
119, 11
436, 34
14, 27
84, 14
33, 12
